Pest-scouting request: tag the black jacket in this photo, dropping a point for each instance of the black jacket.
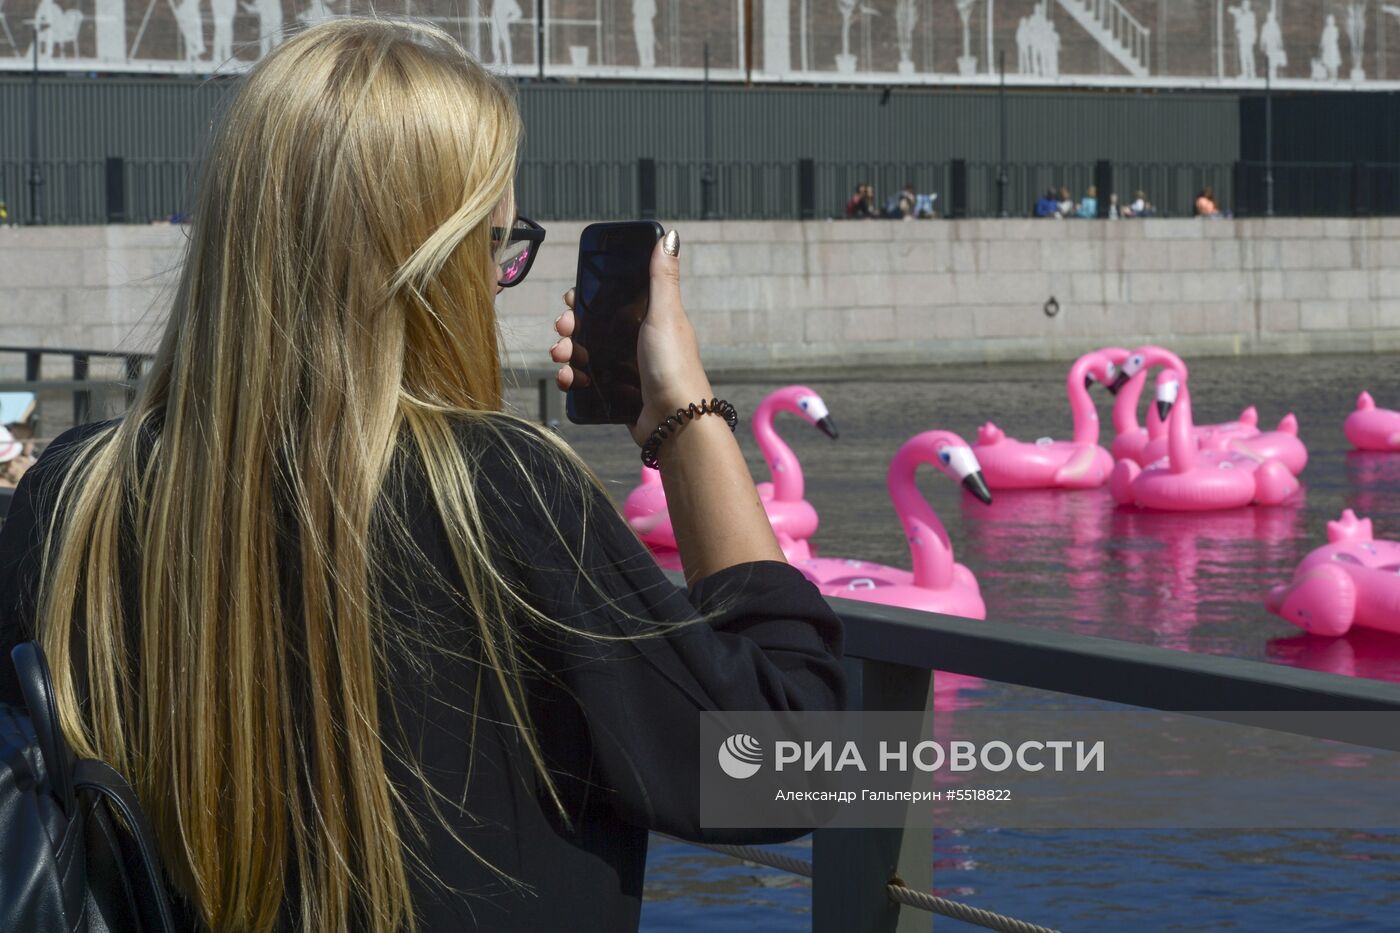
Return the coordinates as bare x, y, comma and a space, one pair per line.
618, 721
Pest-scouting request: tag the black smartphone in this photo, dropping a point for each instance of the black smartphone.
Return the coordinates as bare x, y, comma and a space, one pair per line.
611, 296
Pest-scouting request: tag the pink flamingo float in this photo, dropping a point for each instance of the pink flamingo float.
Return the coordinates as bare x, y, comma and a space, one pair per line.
937, 583
1079, 463
1281, 444
1352, 580
1372, 428
1194, 480
1134, 444
793, 518
1129, 436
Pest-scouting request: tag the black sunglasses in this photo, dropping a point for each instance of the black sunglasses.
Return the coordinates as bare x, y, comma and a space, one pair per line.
522, 242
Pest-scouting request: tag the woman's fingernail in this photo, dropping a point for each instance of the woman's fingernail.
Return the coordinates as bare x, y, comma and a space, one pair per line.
672, 244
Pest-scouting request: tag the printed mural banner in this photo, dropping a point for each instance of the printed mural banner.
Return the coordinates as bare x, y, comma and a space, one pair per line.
1228, 44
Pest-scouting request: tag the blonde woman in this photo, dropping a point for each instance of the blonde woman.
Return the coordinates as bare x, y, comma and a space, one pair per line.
376, 656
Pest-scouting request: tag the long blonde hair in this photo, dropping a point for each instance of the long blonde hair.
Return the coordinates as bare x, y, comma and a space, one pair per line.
335, 304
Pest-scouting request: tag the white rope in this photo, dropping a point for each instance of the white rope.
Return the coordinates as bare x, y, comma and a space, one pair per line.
777, 860
958, 911
899, 893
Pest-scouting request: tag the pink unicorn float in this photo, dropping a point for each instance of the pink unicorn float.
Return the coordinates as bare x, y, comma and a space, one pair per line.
1194, 480
937, 583
793, 518
1281, 444
1351, 580
1372, 428
1079, 463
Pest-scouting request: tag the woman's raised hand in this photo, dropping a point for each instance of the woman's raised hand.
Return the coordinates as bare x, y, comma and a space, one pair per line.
714, 507
668, 355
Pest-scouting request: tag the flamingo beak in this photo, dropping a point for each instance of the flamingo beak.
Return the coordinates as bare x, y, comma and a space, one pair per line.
1163, 409
1089, 382
975, 484
827, 427
1119, 382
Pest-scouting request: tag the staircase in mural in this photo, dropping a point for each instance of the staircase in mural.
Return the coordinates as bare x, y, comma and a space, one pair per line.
1114, 28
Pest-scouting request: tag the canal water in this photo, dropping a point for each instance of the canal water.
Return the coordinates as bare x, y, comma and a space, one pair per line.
1072, 561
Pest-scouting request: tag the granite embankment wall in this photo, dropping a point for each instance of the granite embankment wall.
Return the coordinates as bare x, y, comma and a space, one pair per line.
867, 293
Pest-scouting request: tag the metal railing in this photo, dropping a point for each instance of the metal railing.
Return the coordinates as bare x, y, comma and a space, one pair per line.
892, 652
1305, 189
81, 191
98, 191
79, 383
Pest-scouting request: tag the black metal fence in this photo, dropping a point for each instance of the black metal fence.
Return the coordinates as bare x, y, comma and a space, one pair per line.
97, 191
115, 190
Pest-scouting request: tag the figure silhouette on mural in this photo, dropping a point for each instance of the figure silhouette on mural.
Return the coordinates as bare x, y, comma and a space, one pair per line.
222, 12
1356, 36
1037, 44
967, 62
1271, 44
1246, 34
56, 27
906, 16
845, 61
190, 19
503, 13
269, 14
644, 30
1329, 58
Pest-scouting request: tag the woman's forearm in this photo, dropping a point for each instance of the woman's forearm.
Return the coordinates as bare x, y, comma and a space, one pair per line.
713, 504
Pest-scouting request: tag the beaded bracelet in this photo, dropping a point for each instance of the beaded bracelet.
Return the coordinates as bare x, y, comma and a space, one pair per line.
671, 425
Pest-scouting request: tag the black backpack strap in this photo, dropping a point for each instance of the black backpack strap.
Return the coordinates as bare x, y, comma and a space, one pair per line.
103, 780
37, 687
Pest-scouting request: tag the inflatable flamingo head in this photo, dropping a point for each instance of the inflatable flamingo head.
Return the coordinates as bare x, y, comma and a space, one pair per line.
805, 404
1349, 529
1095, 366
962, 462
1116, 356
1168, 390
1145, 356
952, 455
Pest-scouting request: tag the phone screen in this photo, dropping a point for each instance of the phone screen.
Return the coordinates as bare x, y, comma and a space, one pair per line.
611, 295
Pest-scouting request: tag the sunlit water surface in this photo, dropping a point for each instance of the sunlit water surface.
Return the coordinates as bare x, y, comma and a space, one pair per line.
1074, 562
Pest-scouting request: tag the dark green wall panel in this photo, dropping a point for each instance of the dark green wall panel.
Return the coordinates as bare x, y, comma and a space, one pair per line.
165, 118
